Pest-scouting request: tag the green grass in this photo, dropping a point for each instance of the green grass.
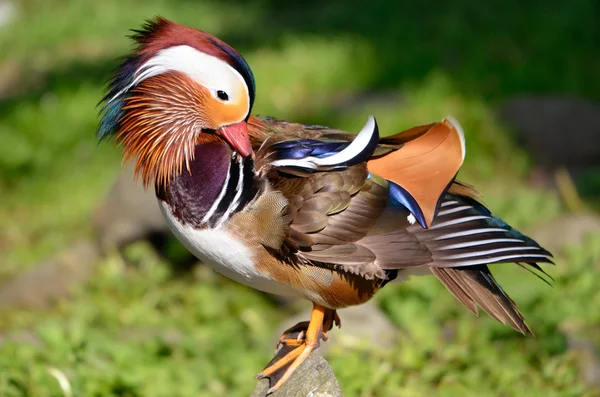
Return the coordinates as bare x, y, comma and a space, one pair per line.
145, 332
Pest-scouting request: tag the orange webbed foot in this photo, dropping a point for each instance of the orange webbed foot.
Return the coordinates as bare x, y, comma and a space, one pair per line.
296, 344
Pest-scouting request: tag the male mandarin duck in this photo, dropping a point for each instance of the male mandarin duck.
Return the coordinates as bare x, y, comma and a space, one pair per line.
301, 210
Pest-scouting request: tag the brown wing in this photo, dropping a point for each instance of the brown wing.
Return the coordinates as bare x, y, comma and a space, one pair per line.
344, 219
337, 218
268, 128
330, 214
429, 158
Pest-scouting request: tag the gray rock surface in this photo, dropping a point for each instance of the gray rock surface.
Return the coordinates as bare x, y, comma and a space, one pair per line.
588, 359
556, 130
314, 378
55, 278
128, 213
361, 325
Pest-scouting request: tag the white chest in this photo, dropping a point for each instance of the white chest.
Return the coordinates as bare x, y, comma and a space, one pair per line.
224, 253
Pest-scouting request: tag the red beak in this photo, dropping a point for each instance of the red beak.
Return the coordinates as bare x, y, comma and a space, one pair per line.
237, 136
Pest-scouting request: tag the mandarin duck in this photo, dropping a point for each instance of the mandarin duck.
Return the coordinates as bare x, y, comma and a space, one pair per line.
301, 210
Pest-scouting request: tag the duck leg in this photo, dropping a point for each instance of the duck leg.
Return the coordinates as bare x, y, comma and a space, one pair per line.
297, 343
331, 319
295, 335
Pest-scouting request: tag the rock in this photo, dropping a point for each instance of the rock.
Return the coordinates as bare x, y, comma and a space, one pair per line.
315, 375
588, 360
558, 131
380, 333
129, 213
314, 378
21, 337
53, 279
583, 346
566, 230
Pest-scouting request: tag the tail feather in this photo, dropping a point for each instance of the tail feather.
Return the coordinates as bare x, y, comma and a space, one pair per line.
464, 190
537, 271
475, 286
463, 239
465, 233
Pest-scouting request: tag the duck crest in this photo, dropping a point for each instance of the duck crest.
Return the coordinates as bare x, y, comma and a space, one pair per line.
159, 100
156, 35
218, 184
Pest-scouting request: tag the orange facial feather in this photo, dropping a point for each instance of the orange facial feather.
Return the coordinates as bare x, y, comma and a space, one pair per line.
163, 121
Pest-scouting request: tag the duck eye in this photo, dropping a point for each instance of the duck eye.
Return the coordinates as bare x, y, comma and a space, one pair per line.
222, 95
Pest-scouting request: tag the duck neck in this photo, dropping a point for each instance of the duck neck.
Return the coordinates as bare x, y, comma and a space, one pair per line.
218, 184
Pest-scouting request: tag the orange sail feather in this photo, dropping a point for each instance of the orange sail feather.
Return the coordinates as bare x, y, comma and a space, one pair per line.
426, 164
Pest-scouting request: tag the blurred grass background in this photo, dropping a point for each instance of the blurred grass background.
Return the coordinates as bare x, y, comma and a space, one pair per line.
145, 331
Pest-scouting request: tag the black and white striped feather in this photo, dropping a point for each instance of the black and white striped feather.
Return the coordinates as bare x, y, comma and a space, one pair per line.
464, 233
463, 239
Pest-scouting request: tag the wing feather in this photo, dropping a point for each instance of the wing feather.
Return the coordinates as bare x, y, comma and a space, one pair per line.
426, 165
402, 211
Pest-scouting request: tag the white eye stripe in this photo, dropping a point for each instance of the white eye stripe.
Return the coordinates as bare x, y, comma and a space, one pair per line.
207, 70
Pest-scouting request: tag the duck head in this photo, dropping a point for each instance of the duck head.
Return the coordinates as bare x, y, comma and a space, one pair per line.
181, 87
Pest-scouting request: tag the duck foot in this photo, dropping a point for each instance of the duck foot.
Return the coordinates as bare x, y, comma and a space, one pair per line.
296, 344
